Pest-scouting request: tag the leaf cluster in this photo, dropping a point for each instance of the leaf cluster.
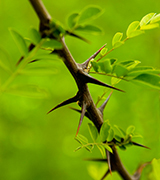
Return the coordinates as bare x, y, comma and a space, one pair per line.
107, 137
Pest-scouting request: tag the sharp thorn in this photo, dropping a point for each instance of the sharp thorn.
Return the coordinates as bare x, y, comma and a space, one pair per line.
82, 116
90, 79
109, 162
96, 159
138, 172
68, 101
77, 36
140, 145
86, 113
85, 64
101, 108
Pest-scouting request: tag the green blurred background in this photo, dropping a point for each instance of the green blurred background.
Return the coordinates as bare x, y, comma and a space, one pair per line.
36, 146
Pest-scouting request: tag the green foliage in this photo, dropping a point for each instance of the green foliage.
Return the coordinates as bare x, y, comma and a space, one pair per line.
109, 136
77, 21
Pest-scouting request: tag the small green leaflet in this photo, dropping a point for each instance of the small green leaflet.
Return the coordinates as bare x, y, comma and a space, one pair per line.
19, 40
146, 19
156, 18
72, 20
89, 28
151, 80
93, 131
116, 41
147, 23
34, 36
51, 44
89, 13
102, 150
133, 30
130, 129
104, 131
105, 66
5, 61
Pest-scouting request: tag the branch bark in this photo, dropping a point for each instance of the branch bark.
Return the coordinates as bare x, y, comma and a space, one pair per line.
84, 94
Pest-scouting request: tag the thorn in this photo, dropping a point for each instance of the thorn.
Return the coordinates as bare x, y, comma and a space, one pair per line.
101, 108
109, 162
77, 36
85, 64
89, 79
96, 159
86, 113
105, 175
140, 145
82, 116
68, 101
138, 172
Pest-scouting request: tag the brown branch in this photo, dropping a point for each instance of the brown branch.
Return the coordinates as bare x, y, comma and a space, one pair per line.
84, 94
41, 11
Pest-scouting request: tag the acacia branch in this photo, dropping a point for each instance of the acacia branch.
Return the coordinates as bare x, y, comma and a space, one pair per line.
84, 95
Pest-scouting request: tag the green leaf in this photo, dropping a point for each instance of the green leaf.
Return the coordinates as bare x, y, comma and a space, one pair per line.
130, 129
93, 131
118, 44
120, 131
89, 13
34, 36
116, 41
135, 33
132, 28
105, 66
131, 64
31, 91
95, 65
155, 18
141, 70
146, 19
51, 44
102, 150
20, 42
81, 138
107, 147
72, 20
111, 135
103, 51
104, 131
5, 61
150, 26
155, 169
122, 147
113, 61
117, 138
89, 148
89, 28
120, 70
151, 80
